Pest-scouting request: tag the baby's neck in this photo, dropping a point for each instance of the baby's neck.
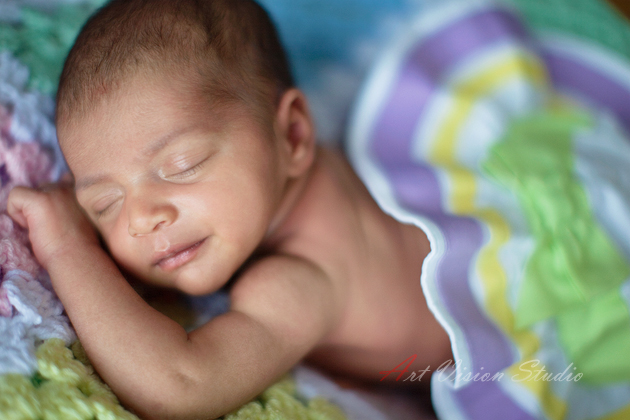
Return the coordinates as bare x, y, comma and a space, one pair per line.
330, 190
293, 191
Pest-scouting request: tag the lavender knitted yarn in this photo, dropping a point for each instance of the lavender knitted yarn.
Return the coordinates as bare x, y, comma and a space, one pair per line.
29, 310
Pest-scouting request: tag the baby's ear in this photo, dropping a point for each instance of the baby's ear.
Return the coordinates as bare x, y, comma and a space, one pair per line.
295, 131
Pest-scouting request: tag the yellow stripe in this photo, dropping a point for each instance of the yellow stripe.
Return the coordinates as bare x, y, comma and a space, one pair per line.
462, 201
554, 407
467, 94
622, 414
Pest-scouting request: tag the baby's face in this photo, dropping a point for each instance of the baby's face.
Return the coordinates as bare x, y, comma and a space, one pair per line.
181, 195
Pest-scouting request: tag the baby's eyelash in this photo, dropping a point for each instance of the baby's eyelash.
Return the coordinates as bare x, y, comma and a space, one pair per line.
189, 172
103, 212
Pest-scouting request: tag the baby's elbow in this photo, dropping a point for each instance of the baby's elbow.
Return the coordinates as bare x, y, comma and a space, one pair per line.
160, 410
175, 410
181, 398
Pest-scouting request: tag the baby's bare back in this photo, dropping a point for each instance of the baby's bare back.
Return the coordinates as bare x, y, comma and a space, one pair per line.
375, 263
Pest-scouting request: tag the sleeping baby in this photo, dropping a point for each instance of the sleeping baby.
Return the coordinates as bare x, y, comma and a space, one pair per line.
194, 161
482, 243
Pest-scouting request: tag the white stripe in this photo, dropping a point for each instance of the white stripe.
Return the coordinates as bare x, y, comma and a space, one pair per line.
446, 406
602, 159
611, 64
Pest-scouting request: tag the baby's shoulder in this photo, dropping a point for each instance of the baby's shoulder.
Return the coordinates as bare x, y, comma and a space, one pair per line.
280, 287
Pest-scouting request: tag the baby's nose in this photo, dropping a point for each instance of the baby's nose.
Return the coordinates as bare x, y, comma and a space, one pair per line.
145, 215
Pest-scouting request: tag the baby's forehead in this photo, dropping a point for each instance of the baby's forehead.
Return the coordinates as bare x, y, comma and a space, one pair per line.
151, 106
146, 122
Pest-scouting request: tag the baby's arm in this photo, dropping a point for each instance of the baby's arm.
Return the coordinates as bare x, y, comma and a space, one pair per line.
281, 307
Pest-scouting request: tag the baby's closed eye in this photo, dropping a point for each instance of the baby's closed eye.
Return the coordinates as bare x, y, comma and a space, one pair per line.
103, 205
188, 170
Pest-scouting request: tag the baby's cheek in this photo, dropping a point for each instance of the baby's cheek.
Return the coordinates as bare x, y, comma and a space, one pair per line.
118, 247
131, 268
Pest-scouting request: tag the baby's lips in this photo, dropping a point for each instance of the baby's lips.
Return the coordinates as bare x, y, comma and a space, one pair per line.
170, 250
177, 255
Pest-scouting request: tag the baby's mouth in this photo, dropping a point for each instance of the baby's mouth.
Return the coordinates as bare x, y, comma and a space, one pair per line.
177, 255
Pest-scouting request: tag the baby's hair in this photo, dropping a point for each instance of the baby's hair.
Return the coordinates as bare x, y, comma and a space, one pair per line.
229, 48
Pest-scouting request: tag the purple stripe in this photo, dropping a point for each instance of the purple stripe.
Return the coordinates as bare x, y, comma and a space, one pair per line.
426, 65
392, 142
568, 74
416, 186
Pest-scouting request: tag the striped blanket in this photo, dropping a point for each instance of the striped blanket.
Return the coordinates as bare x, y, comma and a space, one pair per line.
510, 149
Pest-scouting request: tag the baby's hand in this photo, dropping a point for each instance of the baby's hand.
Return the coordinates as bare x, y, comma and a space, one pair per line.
53, 218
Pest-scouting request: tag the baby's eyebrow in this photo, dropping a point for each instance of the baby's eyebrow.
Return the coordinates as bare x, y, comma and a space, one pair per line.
84, 183
162, 142
149, 151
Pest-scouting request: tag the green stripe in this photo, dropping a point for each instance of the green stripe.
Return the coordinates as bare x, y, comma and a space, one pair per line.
575, 269
41, 40
588, 19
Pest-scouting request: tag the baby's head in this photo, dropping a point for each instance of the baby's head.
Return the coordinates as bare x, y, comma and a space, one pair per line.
227, 49
183, 131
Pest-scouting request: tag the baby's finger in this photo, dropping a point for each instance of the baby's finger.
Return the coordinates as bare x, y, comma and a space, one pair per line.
15, 205
67, 178
57, 186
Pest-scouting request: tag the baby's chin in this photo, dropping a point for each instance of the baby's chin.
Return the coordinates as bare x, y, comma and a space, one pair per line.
142, 281
208, 271
191, 280
144, 285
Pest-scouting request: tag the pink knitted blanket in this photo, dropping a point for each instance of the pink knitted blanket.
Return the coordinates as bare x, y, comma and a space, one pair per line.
29, 310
